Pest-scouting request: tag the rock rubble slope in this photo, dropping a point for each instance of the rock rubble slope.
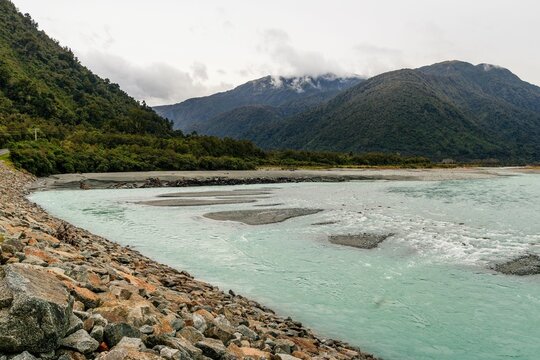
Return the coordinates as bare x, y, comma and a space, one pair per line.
67, 294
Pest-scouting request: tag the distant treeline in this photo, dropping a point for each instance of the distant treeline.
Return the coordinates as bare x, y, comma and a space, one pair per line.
96, 152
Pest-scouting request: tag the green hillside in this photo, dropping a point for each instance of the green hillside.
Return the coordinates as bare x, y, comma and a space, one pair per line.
41, 81
453, 109
83, 122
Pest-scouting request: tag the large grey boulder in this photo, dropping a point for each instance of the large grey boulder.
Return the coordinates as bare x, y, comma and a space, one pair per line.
114, 333
24, 356
35, 309
247, 332
212, 348
81, 342
176, 343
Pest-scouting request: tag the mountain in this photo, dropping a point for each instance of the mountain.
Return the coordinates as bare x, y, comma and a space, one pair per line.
451, 109
288, 95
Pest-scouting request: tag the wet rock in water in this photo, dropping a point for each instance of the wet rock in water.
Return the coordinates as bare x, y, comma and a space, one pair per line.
361, 241
215, 193
260, 217
81, 342
324, 223
524, 265
268, 205
35, 310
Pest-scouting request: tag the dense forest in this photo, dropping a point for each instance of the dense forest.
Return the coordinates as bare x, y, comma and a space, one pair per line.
56, 116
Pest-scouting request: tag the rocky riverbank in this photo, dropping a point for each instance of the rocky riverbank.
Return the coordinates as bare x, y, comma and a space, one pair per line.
68, 294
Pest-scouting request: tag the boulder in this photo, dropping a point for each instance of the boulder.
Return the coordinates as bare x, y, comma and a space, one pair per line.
114, 333
248, 352
35, 309
177, 343
191, 334
24, 356
75, 324
284, 346
199, 322
212, 348
247, 332
146, 329
81, 342
129, 349
97, 333
287, 357
222, 332
174, 354
131, 343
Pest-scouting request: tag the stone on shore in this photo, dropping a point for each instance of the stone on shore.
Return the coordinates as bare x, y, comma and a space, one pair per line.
212, 348
80, 341
260, 217
35, 309
524, 265
361, 241
114, 333
24, 356
177, 343
287, 357
191, 334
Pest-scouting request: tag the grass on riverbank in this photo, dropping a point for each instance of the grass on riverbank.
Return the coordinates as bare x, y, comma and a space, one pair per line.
7, 160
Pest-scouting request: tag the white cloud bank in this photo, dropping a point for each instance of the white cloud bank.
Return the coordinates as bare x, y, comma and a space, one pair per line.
157, 83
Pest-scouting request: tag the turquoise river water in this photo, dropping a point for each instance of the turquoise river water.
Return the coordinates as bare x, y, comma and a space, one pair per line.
427, 292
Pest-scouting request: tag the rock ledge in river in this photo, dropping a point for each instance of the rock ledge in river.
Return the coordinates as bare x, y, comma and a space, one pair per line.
524, 265
260, 217
362, 241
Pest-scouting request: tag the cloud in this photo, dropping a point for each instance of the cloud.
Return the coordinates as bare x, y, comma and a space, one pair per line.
199, 71
101, 38
158, 83
290, 61
374, 59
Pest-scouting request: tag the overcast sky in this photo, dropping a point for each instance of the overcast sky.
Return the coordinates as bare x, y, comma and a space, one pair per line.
165, 51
